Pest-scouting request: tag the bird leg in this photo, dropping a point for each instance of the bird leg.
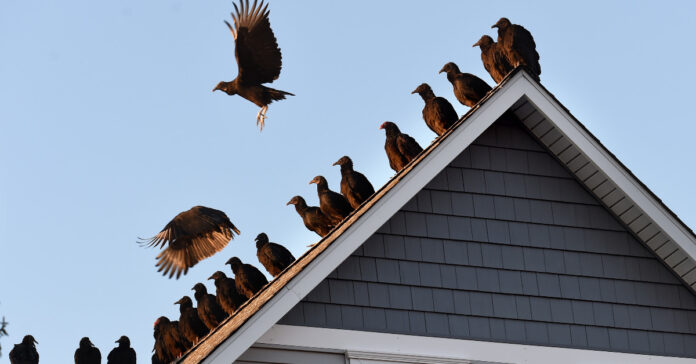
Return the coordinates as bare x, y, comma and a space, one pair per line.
261, 117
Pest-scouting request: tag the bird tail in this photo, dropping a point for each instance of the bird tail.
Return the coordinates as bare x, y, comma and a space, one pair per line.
278, 94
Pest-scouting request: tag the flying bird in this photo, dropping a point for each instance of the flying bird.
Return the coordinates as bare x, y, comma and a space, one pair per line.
25, 352
227, 295
313, 218
274, 257
258, 58
355, 187
209, 310
494, 59
401, 148
123, 353
332, 204
248, 278
190, 325
438, 113
191, 236
169, 342
87, 353
518, 46
468, 89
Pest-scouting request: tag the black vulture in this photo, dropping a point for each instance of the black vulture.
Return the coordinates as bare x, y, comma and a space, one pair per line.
401, 148
355, 187
191, 236
123, 353
87, 353
468, 89
248, 278
258, 58
25, 352
227, 295
494, 59
438, 113
209, 310
190, 325
169, 342
274, 257
332, 204
313, 218
518, 46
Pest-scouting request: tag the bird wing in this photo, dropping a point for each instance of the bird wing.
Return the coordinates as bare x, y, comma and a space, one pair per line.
360, 185
256, 49
523, 43
408, 146
281, 254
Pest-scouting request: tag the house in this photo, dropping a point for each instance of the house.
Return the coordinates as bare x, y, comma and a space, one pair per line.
516, 237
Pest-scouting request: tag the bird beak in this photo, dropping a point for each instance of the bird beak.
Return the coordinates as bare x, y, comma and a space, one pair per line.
477, 44
442, 70
381, 127
313, 181
211, 277
176, 303
494, 25
35, 342
289, 203
336, 163
414, 91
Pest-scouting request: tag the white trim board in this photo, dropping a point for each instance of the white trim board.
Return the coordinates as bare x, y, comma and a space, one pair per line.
393, 346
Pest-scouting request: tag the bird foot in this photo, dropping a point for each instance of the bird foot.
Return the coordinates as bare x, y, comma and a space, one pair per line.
261, 118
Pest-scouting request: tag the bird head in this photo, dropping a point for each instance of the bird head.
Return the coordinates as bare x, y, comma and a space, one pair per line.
199, 288
85, 343
389, 127
261, 239
29, 340
217, 275
484, 42
502, 23
184, 300
423, 87
295, 200
450, 67
123, 340
226, 87
319, 180
161, 320
234, 262
344, 161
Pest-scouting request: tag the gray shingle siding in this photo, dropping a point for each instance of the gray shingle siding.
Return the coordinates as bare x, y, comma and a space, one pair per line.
506, 245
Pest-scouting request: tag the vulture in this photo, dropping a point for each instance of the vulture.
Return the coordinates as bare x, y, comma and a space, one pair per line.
169, 342
25, 352
518, 45
313, 218
227, 295
355, 187
191, 236
248, 278
209, 310
87, 353
332, 204
468, 89
274, 257
123, 353
190, 325
258, 58
438, 113
494, 59
400, 147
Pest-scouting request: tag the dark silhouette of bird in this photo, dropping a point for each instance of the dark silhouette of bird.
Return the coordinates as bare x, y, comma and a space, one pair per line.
494, 59
274, 257
209, 310
468, 89
248, 278
401, 148
191, 236
155, 359
190, 325
518, 46
227, 295
331, 203
87, 353
258, 58
25, 352
123, 353
313, 218
438, 113
355, 187
169, 342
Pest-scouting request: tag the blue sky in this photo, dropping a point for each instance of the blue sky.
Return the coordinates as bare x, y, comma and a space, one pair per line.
108, 129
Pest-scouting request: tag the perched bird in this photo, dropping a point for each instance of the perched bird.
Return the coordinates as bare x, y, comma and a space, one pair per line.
227, 295
191, 236
190, 325
400, 147
258, 58
332, 204
438, 113
87, 353
494, 59
25, 352
468, 89
355, 187
209, 310
518, 45
248, 278
274, 257
123, 353
313, 218
169, 342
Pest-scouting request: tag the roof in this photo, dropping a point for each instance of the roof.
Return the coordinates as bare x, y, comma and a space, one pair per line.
595, 167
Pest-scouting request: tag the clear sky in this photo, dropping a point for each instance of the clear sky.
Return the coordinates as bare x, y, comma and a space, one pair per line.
108, 129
